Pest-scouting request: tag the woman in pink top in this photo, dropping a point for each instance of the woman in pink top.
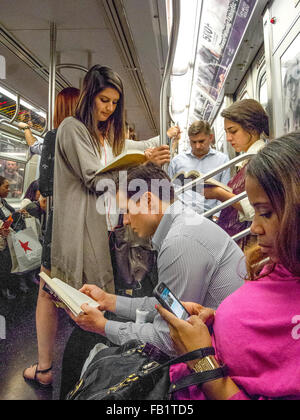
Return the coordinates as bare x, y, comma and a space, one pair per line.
256, 330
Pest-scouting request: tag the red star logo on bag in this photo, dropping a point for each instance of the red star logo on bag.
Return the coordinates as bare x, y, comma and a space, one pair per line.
25, 246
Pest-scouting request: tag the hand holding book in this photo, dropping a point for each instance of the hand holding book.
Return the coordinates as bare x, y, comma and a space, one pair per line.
90, 319
66, 296
212, 193
184, 177
106, 301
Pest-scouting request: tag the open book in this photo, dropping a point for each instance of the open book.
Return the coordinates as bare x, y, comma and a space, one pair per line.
67, 295
184, 177
124, 160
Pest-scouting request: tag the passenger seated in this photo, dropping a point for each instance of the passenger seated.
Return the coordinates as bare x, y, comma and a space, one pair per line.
196, 259
256, 330
32, 194
8, 281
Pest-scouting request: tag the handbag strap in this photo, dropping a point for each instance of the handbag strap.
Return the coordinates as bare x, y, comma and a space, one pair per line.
196, 354
198, 378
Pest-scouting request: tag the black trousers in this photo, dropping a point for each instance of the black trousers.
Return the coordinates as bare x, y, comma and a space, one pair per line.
7, 280
77, 350
81, 342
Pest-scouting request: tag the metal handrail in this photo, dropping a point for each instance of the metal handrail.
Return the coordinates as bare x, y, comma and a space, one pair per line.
241, 234
15, 125
226, 203
71, 66
17, 110
214, 172
45, 130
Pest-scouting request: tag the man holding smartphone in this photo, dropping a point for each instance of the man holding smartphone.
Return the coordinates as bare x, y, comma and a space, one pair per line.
197, 261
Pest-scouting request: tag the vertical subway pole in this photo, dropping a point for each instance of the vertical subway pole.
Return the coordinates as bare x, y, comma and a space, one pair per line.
51, 94
164, 109
52, 71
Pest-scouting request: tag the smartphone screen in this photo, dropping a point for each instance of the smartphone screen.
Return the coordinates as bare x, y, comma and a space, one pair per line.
170, 302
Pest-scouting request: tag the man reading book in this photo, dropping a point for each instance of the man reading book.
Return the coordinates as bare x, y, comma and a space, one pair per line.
201, 157
197, 260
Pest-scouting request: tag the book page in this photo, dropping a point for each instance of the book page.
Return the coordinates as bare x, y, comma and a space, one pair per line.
71, 297
124, 160
192, 175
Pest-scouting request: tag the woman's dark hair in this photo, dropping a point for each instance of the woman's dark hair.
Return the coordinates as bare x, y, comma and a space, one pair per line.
276, 168
249, 114
97, 79
31, 191
65, 105
2, 180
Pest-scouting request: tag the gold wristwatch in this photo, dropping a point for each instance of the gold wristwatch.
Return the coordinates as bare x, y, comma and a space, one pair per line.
206, 364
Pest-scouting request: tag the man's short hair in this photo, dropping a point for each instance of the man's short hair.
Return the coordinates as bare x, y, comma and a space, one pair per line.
155, 180
199, 127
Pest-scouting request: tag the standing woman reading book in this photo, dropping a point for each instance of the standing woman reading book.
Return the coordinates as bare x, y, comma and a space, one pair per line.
46, 313
245, 123
256, 330
85, 144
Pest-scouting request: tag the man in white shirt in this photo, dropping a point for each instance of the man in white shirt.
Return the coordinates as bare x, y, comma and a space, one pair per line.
202, 157
196, 259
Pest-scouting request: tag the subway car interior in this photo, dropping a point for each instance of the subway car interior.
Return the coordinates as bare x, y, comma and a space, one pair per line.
180, 62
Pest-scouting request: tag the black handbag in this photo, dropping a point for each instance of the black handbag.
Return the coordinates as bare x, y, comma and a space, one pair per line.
135, 371
134, 257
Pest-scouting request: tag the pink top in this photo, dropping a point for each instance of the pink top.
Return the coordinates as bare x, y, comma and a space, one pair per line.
257, 335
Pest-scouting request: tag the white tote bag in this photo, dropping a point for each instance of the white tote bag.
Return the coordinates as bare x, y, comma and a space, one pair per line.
25, 250
34, 223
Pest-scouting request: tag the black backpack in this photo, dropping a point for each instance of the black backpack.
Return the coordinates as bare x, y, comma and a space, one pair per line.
46, 178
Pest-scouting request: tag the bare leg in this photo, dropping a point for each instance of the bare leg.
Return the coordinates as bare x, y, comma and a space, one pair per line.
46, 326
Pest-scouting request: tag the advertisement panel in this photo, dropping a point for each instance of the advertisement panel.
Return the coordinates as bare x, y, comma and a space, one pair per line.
223, 23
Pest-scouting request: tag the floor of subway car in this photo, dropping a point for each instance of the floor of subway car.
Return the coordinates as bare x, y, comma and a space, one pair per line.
18, 347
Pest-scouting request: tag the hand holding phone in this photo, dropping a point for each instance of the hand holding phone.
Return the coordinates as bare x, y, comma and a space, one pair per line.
7, 223
169, 301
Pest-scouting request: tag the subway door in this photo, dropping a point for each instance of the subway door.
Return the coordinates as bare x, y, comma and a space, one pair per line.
282, 47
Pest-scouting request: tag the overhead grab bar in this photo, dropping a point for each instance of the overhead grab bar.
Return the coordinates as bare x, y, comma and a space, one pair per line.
10, 121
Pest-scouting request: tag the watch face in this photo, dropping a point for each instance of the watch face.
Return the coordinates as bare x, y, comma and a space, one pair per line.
205, 364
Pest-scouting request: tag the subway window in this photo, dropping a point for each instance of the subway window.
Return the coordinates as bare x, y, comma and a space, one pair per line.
263, 91
14, 172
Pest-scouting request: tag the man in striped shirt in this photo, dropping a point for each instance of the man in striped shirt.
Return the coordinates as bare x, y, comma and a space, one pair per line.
197, 260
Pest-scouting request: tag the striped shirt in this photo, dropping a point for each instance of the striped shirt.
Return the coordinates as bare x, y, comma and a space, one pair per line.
197, 260
37, 147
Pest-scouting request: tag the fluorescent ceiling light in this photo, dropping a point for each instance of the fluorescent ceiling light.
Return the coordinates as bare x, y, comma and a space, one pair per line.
186, 36
41, 114
8, 94
180, 87
32, 108
22, 102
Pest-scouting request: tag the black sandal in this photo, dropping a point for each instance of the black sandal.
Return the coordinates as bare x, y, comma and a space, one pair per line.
35, 381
